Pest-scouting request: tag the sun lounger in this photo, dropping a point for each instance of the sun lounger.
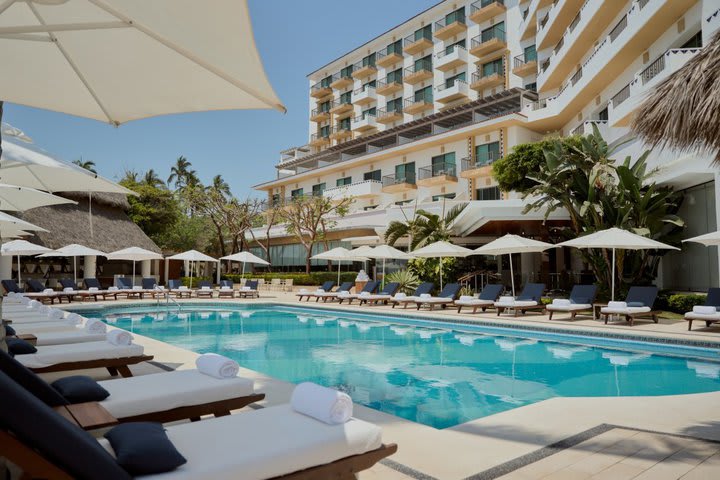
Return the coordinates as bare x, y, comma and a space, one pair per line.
405, 300
304, 293
383, 297
80, 356
487, 298
638, 304
178, 289
250, 289
205, 289
93, 287
38, 291
285, 444
446, 297
581, 299
529, 299
226, 289
10, 285
709, 312
368, 289
344, 287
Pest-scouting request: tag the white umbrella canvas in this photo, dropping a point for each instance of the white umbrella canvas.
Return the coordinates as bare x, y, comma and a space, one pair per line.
192, 256
441, 250
708, 239
509, 244
18, 199
338, 254
74, 250
386, 252
136, 254
245, 257
21, 248
14, 225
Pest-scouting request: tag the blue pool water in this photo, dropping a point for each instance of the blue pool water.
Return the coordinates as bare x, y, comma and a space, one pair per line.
428, 372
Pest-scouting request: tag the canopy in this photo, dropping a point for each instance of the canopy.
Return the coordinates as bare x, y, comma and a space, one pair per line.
74, 250
14, 224
121, 60
245, 257
136, 254
363, 251
709, 239
385, 252
441, 249
19, 248
339, 254
192, 256
19, 199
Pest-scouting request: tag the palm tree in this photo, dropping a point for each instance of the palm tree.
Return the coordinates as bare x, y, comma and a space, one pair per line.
219, 185
130, 177
151, 178
86, 164
181, 174
425, 228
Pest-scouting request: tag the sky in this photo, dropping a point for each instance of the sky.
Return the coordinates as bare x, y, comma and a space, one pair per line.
294, 38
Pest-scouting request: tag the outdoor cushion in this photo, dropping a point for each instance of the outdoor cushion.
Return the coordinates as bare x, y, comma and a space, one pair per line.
18, 346
10, 331
702, 316
77, 352
473, 301
624, 311
570, 307
30, 381
143, 448
79, 389
516, 303
67, 337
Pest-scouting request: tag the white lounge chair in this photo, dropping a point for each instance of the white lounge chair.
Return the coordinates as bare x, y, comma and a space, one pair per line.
487, 298
529, 299
581, 299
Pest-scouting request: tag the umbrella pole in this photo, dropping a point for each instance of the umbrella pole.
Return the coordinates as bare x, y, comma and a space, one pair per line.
383, 279
612, 291
75, 270
243, 273
441, 285
133, 272
19, 274
339, 262
512, 276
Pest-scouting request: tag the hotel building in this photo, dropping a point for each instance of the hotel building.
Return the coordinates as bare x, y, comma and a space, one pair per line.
415, 117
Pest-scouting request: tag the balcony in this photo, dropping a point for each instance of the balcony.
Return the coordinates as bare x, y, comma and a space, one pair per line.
320, 91
319, 115
483, 10
318, 140
363, 69
418, 73
524, 68
487, 43
340, 81
473, 167
455, 92
385, 59
385, 117
364, 189
437, 175
412, 45
445, 29
455, 58
385, 87
338, 107
561, 15
481, 81
413, 105
340, 133
364, 95
364, 123
398, 184
586, 128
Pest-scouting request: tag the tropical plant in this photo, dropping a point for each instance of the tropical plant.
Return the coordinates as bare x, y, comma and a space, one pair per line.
151, 178
425, 228
428, 269
220, 186
182, 175
408, 280
86, 164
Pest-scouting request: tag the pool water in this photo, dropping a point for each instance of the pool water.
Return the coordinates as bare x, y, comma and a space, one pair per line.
422, 371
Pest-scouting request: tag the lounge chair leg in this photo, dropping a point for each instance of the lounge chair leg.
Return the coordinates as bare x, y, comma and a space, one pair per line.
194, 419
112, 371
223, 413
125, 371
459, 308
707, 324
551, 312
606, 317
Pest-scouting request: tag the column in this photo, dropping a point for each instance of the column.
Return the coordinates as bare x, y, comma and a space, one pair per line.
6, 263
145, 268
89, 267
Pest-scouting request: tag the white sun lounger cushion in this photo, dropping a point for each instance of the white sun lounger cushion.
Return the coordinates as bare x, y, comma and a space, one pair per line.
569, 307
282, 442
64, 338
704, 309
702, 316
516, 303
626, 310
407, 298
78, 352
377, 296
38, 327
164, 391
434, 300
471, 301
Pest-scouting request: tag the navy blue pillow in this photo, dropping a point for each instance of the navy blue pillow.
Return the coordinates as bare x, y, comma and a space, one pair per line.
635, 304
27, 379
143, 448
10, 331
18, 346
79, 389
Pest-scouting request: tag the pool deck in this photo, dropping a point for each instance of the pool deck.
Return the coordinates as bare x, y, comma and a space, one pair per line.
663, 437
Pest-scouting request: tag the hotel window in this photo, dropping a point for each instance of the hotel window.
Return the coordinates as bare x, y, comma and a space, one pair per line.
491, 193
395, 47
530, 54
369, 61
296, 193
531, 86
344, 124
603, 114
374, 175
487, 153
324, 131
324, 107
346, 97
694, 42
443, 164
275, 199
394, 105
490, 68
424, 32
317, 190
343, 181
424, 95
424, 63
395, 76
456, 16
346, 72
404, 202
405, 173
496, 31
325, 82
449, 196
449, 82
450, 48
370, 111
371, 84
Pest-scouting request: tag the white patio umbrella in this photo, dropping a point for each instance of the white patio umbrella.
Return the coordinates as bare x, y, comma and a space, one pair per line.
509, 244
21, 248
616, 239
7, 130
18, 199
74, 250
708, 239
244, 257
14, 226
338, 254
441, 250
192, 256
363, 251
386, 252
136, 254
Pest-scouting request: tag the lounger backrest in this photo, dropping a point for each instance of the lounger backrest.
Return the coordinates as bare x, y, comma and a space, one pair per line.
174, 284
124, 282
204, 283
252, 284
67, 283
641, 296
92, 283
532, 292
30, 381
10, 286
345, 286
450, 290
491, 292
149, 283
390, 288
62, 443
583, 294
423, 288
371, 287
226, 283
327, 286
35, 285
713, 297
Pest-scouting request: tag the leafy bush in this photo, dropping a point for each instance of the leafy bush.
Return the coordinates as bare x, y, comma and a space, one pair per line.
195, 280
681, 303
313, 278
428, 269
408, 280
467, 290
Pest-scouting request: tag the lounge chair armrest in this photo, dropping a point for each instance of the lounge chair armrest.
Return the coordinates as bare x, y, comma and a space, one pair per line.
88, 415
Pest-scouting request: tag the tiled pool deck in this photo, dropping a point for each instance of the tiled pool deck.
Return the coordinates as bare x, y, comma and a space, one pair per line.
556, 438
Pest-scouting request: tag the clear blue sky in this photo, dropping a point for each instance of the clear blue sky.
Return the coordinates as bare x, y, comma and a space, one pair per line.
294, 37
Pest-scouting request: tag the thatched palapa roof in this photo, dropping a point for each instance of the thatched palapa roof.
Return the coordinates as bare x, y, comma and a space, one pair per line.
684, 110
112, 228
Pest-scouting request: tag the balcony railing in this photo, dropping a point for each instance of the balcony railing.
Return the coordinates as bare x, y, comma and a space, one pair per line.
320, 136
618, 28
576, 77
486, 36
471, 163
340, 101
447, 22
520, 61
390, 180
575, 21
653, 69
437, 170
425, 66
450, 50
319, 111
318, 87
410, 101
456, 81
363, 89
479, 75
384, 112
475, 6
363, 116
363, 64
411, 39
621, 96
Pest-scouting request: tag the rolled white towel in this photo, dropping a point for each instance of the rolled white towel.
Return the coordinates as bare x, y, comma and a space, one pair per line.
182, 287
204, 287
93, 325
113, 289
704, 310
10, 294
617, 305
466, 298
321, 403
93, 289
425, 295
225, 288
217, 366
34, 304
137, 287
365, 294
399, 296
119, 337
73, 319
44, 309
55, 314
561, 302
48, 291
506, 299
302, 290
68, 289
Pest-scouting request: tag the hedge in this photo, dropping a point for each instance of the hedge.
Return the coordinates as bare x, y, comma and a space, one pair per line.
678, 302
195, 280
314, 278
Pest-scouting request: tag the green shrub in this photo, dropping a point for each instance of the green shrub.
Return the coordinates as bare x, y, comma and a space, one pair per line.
408, 280
313, 278
682, 303
195, 280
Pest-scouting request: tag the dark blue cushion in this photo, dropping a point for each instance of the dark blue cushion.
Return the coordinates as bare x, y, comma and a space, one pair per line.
79, 389
143, 448
635, 304
10, 331
27, 379
18, 346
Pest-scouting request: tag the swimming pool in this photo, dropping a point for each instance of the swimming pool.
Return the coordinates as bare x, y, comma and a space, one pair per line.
429, 372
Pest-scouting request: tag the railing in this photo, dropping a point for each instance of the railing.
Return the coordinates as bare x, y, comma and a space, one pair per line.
488, 35
417, 68
575, 21
543, 21
410, 101
579, 130
318, 111
642, 3
621, 96
653, 69
341, 101
410, 39
319, 86
446, 85
362, 64
559, 45
471, 163
544, 65
618, 28
386, 82
340, 129
437, 170
339, 76
520, 61
384, 112
476, 76
475, 6
364, 88
318, 136
363, 116
329, 192
576, 77
389, 180
450, 50
446, 22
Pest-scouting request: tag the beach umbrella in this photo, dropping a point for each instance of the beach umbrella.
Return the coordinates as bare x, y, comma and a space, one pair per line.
192, 256
136, 254
74, 250
441, 250
386, 252
509, 244
20, 248
338, 254
19, 199
616, 239
245, 257
363, 251
708, 239
7, 130
14, 226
